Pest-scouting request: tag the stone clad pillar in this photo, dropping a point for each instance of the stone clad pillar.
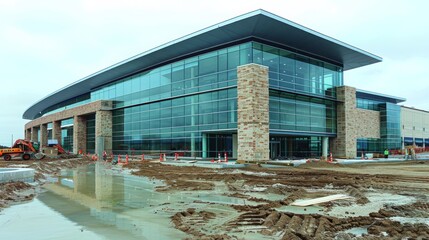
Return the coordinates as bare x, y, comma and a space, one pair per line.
344, 145
43, 134
103, 131
56, 131
28, 134
79, 134
34, 134
253, 113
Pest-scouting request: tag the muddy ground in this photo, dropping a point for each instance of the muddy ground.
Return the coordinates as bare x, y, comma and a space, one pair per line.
308, 181
318, 179
17, 192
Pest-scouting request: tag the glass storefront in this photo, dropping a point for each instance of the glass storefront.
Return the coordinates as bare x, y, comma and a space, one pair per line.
294, 147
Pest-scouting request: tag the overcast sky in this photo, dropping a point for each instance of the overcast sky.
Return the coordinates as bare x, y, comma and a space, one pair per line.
46, 45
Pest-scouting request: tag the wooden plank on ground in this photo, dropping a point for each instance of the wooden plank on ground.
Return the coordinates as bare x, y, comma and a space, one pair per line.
308, 202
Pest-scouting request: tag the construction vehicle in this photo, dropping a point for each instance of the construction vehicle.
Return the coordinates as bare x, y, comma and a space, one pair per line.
25, 149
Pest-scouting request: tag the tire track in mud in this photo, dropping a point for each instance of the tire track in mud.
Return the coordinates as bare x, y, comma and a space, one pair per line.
294, 183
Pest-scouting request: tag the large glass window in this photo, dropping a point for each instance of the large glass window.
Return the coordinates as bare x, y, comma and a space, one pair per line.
292, 72
207, 72
301, 113
90, 133
174, 125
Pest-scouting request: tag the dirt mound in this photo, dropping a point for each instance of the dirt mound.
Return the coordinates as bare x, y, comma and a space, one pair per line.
417, 209
192, 222
315, 226
356, 193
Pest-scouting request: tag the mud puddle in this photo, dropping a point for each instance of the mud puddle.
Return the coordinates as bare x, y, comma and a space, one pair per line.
101, 202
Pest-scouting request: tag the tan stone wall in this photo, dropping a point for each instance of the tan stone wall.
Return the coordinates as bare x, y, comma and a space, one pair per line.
28, 134
104, 124
366, 123
56, 131
253, 113
352, 123
43, 134
70, 113
79, 134
34, 135
103, 129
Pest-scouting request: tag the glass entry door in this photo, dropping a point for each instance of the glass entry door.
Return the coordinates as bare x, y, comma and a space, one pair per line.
274, 149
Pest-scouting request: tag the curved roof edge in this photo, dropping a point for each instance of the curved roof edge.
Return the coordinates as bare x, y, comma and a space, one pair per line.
258, 24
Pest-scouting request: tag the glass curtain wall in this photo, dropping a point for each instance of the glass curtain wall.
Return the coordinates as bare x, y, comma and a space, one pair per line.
171, 108
90, 133
390, 131
297, 113
174, 125
292, 72
206, 72
173, 105
67, 134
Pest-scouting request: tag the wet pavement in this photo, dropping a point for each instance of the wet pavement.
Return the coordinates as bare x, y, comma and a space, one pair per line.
100, 202
92, 202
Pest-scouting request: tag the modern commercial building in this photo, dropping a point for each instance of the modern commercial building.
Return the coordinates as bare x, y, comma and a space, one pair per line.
256, 87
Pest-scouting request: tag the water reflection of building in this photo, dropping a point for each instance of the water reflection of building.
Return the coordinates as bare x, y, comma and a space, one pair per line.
112, 199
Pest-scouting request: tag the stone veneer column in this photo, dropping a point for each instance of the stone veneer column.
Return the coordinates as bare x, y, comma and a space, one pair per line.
79, 134
43, 134
103, 131
253, 113
56, 131
344, 145
28, 134
34, 136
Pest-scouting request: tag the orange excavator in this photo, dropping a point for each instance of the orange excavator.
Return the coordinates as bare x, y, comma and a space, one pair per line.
25, 149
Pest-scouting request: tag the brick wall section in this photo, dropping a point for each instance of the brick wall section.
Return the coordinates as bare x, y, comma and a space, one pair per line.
43, 134
352, 123
70, 113
253, 113
28, 134
367, 123
34, 136
103, 129
56, 131
79, 134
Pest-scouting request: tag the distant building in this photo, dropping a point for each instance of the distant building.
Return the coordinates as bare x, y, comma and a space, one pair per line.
256, 87
414, 127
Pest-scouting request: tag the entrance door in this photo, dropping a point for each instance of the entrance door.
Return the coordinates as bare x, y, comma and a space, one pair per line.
274, 149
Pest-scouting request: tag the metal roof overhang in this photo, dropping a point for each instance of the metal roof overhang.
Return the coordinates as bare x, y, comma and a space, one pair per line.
378, 96
258, 25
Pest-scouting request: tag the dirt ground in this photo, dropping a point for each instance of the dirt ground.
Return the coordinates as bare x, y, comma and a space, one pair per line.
307, 181
312, 180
